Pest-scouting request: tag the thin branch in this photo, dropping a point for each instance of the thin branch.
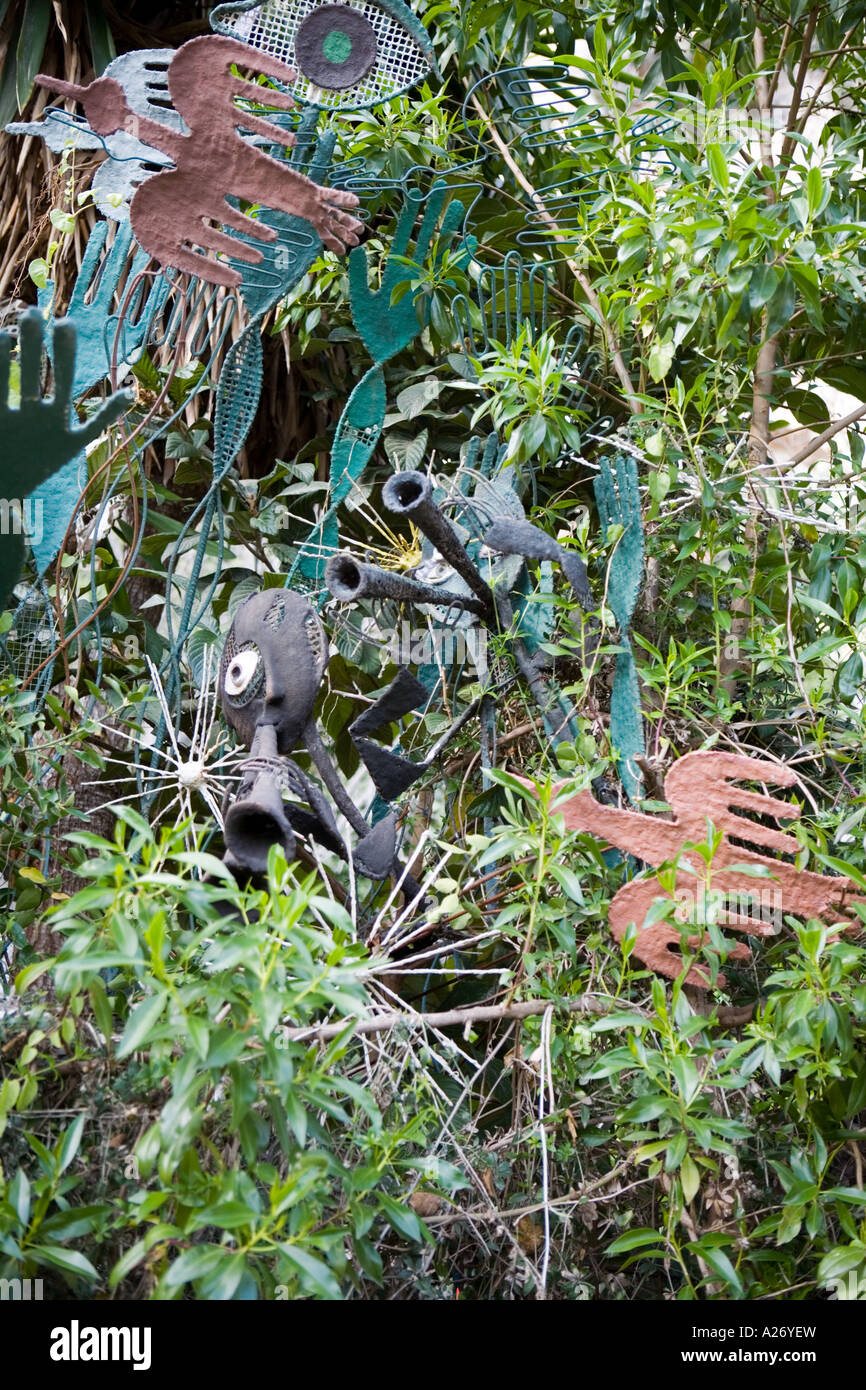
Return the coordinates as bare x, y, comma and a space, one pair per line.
777, 73
450, 1018
827, 72
836, 428
797, 96
617, 358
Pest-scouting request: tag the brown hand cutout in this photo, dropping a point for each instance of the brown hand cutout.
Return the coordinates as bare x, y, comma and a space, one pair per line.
173, 212
699, 787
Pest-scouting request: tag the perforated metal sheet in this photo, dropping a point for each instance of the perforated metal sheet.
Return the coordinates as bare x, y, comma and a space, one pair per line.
272, 27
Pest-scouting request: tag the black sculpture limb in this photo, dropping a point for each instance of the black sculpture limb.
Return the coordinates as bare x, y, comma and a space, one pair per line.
410, 495
349, 579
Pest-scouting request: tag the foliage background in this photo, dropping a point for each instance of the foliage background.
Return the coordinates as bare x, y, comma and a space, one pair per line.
164, 1136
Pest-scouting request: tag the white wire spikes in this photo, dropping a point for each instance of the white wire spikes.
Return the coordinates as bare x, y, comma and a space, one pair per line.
191, 768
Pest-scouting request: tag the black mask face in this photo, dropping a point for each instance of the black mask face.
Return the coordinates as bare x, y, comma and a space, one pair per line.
272, 666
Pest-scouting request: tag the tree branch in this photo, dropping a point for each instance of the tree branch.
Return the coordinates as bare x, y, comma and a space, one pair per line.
828, 433
617, 359
451, 1018
796, 98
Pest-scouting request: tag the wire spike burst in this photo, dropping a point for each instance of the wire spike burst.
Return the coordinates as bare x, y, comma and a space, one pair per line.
198, 767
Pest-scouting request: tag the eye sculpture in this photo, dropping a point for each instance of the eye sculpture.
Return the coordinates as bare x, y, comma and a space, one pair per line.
244, 676
335, 47
272, 667
347, 56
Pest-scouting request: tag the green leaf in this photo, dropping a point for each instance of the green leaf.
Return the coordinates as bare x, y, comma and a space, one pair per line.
690, 1178
229, 1216
199, 1034
720, 1264
316, 1277
143, 1018
71, 1142
70, 1261
415, 399
763, 283
19, 1197
815, 190
198, 1263
849, 681
840, 1260
31, 47
102, 49
8, 98
368, 1258
661, 355
647, 1108
633, 1240
781, 307
718, 167
402, 1218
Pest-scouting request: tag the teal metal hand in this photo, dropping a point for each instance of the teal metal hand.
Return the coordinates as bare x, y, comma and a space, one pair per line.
38, 436
387, 328
94, 314
103, 339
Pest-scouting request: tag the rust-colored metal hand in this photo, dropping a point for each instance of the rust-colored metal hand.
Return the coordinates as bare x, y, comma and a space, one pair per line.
700, 787
182, 213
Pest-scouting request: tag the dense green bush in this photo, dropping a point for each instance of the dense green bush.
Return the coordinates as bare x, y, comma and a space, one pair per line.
169, 1130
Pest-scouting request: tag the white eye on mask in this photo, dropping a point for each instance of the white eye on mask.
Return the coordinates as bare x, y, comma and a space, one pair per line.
241, 673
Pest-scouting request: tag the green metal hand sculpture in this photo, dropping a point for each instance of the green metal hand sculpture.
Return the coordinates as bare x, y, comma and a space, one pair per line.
387, 328
38, 436
618, 503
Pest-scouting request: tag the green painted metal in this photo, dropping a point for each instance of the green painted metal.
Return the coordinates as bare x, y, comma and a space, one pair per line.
38, 434
386, 329
618, 500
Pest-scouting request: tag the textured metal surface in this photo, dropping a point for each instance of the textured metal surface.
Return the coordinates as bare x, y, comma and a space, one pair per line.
39, 436
699, 788
618, 501
404, 55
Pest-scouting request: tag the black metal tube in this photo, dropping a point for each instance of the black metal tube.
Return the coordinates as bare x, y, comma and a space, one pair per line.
410, 495
256, 818
348, 579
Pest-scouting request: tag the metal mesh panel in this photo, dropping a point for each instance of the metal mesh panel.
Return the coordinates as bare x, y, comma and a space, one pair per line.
272, 28
31, 637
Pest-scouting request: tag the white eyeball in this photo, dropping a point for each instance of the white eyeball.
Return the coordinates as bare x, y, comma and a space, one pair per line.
240, 672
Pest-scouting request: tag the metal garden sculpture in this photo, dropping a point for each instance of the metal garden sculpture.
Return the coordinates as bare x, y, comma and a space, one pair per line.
39, 437
471, 585
271, 671
167, 121
347, 57
700, 788
177, 212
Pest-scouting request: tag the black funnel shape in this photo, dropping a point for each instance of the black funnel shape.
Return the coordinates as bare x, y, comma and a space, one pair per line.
410, 495
348, 579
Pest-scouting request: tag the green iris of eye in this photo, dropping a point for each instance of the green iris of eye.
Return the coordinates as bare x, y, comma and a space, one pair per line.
337, 46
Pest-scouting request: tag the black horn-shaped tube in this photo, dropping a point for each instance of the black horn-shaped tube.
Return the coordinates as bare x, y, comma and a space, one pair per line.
256, 821
348, 579
410, 495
